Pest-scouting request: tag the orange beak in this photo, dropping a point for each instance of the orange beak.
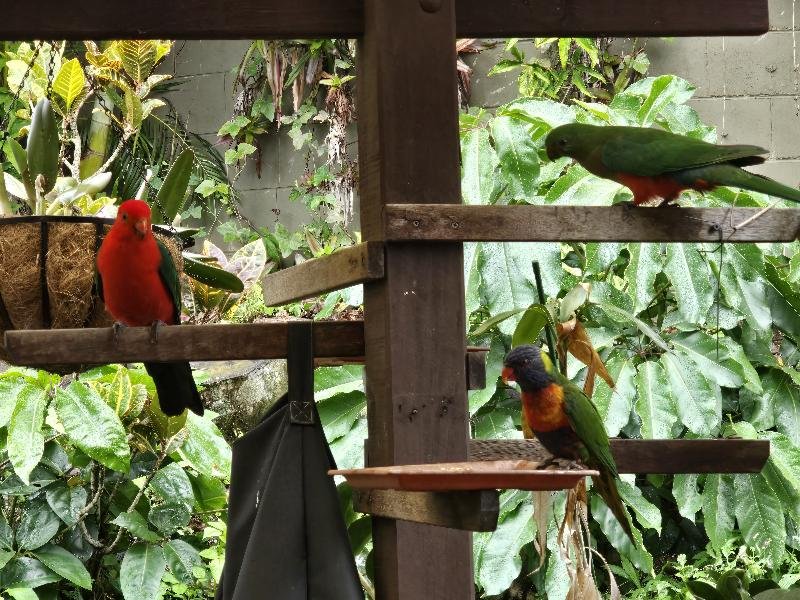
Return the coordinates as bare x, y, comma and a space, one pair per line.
141, 226
507, 375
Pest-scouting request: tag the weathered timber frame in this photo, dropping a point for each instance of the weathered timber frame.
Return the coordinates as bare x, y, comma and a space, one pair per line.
413, 338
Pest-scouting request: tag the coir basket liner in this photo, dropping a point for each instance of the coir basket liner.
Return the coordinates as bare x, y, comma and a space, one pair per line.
47, 267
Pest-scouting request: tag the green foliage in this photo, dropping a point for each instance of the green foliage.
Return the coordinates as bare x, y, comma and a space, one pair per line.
94, 497
692, 354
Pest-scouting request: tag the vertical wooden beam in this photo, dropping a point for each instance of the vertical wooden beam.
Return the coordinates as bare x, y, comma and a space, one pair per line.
414, 317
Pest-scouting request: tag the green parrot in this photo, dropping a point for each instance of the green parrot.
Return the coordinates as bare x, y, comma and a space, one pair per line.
657, 164
565, 421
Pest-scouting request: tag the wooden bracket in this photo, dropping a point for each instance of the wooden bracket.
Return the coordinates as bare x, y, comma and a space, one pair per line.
467, 510
518, 223
346, 267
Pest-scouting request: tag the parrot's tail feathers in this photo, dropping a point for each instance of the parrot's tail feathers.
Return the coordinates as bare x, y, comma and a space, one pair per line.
735, 177
607, 487
175, 387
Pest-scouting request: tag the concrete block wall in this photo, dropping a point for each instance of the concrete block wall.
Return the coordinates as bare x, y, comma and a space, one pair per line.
748, 87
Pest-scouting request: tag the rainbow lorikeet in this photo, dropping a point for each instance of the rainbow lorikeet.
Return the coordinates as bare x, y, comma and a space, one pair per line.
139, 284
654, 163
565, 421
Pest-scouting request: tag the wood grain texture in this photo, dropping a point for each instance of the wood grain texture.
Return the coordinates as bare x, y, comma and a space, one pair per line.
414, 329
272, 19
446, 223
187, 342
648, 456
469, 511
350, 266
579, 18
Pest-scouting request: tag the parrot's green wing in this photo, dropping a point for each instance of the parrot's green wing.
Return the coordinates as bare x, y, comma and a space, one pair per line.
588, 425
649, 152
169, 275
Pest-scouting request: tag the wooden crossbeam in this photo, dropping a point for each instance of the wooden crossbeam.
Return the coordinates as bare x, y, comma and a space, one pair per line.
467, 510
648, 456
447, 223
272, 19
349, 266
335, 342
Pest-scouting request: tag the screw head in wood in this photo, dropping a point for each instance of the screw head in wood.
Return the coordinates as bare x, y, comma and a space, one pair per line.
431, 6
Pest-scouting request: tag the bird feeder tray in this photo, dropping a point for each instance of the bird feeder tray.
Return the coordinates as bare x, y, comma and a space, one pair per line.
47, 272
460, 476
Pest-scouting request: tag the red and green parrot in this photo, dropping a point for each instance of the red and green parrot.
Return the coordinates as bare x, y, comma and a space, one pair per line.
654, 163
139, 284
565, 421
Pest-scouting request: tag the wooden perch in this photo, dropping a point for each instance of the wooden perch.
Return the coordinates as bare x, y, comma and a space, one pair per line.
350, 266
273, 19
648, 456
335, 342
518, 223
470, 510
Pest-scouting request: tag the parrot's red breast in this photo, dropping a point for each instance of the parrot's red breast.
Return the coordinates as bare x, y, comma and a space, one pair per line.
544, 409
666, 187
128, 262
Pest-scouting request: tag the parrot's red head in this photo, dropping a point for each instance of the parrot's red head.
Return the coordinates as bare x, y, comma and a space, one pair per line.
133, 216
528, 367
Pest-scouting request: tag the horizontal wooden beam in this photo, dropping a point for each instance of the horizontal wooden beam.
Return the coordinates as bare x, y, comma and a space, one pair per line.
648, 456
518, 223
332, 339
349, 266
467, 510
273, 19
335, 343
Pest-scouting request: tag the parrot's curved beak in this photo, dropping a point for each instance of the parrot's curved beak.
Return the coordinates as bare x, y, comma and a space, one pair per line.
507, 375
141, 227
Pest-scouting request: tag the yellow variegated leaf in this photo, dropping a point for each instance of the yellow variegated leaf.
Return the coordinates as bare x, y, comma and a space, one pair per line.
70, 83
138, 58
119, 393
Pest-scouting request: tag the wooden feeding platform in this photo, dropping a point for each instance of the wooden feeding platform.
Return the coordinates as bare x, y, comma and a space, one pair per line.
413, 338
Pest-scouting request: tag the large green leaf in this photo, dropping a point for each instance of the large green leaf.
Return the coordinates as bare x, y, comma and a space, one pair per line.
496, 424
209, 492
700, 348
500, 561
24, 572
136, 524
205, 449
691, 281
638, 555
655, 404
518, 155
138, 58
6, 534
507, 266
647, 514
687, 497
744, 287
782, 394
340, 412
784, 298
171, 194
182, 559
480, 161
10, 388
172, 484
37, 526
169, 517
579, 187
614, 404
760, 516
329, 381
65, 564
531, 325
601, 255
25, 439
619, 308
66, 501
782, 471
93, 426
699, 401
119, 393
646, 262
141, 571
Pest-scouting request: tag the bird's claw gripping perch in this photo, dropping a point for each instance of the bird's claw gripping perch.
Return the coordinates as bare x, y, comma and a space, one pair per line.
156, 325
116, 328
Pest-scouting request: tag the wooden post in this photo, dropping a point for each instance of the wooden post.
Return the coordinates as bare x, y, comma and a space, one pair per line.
414, 317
